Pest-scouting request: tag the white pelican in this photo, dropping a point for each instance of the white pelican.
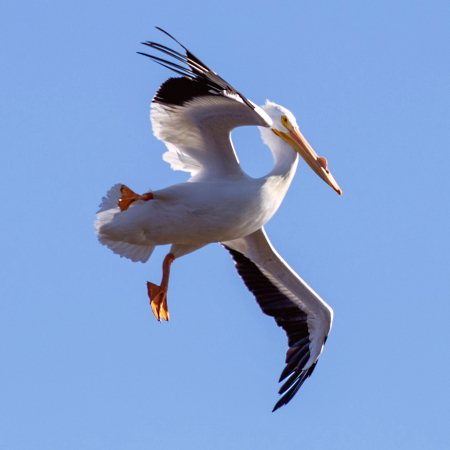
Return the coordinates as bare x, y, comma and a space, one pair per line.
194, 115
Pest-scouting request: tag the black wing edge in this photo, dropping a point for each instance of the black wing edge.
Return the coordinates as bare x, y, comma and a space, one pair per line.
287, 316
197, 78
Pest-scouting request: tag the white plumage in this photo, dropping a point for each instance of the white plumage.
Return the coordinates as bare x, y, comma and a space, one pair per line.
194, 116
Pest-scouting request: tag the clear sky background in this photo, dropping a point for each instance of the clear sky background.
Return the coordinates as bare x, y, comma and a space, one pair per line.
85, 365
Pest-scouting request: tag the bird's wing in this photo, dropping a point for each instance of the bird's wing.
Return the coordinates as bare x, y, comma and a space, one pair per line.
195, 114
282, 294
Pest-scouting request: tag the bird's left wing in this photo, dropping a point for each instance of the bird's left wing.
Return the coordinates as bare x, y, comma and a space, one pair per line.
282, 294
195, 114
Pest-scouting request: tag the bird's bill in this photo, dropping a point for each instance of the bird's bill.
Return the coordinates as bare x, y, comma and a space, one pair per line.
317, 163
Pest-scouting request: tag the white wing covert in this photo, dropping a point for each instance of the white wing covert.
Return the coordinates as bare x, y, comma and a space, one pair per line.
282, 294
195, 114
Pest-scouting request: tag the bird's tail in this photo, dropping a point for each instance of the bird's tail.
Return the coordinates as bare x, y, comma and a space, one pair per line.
109, 208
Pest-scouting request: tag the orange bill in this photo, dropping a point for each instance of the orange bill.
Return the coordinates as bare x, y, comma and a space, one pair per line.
317, 163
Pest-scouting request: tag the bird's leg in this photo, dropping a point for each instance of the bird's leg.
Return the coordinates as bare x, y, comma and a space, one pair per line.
158, 294
128, 197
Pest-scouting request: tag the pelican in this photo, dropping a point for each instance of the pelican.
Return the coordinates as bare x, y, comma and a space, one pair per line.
194, 115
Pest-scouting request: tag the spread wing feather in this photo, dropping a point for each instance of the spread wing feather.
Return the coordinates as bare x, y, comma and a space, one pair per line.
283, 295
195, 114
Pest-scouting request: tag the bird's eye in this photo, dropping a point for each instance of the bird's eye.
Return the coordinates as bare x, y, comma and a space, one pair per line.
285, 121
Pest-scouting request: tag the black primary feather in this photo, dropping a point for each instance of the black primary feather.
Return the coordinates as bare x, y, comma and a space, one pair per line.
288, 316
198, 79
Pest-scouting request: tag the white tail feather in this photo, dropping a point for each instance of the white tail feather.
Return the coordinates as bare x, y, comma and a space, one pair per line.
108, 209
111, 200
131, 251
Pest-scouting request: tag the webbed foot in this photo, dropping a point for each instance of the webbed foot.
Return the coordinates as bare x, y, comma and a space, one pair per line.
158, 301
158, 294
129, 196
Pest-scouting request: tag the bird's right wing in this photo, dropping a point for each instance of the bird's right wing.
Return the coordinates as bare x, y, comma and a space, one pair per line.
282, 294
195, 114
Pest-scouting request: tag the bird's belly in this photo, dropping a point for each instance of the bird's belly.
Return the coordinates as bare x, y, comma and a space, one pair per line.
202, 224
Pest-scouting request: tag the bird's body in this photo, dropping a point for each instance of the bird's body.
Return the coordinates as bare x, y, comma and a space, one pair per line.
194, 116
194, 214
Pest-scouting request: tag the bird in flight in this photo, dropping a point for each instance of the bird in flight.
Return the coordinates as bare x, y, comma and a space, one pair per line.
194, 114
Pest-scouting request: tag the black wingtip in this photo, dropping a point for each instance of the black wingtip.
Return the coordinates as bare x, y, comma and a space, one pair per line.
279, 404
297, 362
165, 32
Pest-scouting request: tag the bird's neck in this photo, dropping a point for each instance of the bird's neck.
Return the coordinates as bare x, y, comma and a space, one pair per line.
277, 182
285, 162
285, 158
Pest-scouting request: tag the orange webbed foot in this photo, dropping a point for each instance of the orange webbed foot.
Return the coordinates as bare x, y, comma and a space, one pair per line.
158, 294
129, 196
158, 301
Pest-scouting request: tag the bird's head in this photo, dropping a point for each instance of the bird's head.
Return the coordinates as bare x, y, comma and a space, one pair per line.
285, 127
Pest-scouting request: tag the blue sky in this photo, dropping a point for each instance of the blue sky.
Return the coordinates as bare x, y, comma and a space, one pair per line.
84, 363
